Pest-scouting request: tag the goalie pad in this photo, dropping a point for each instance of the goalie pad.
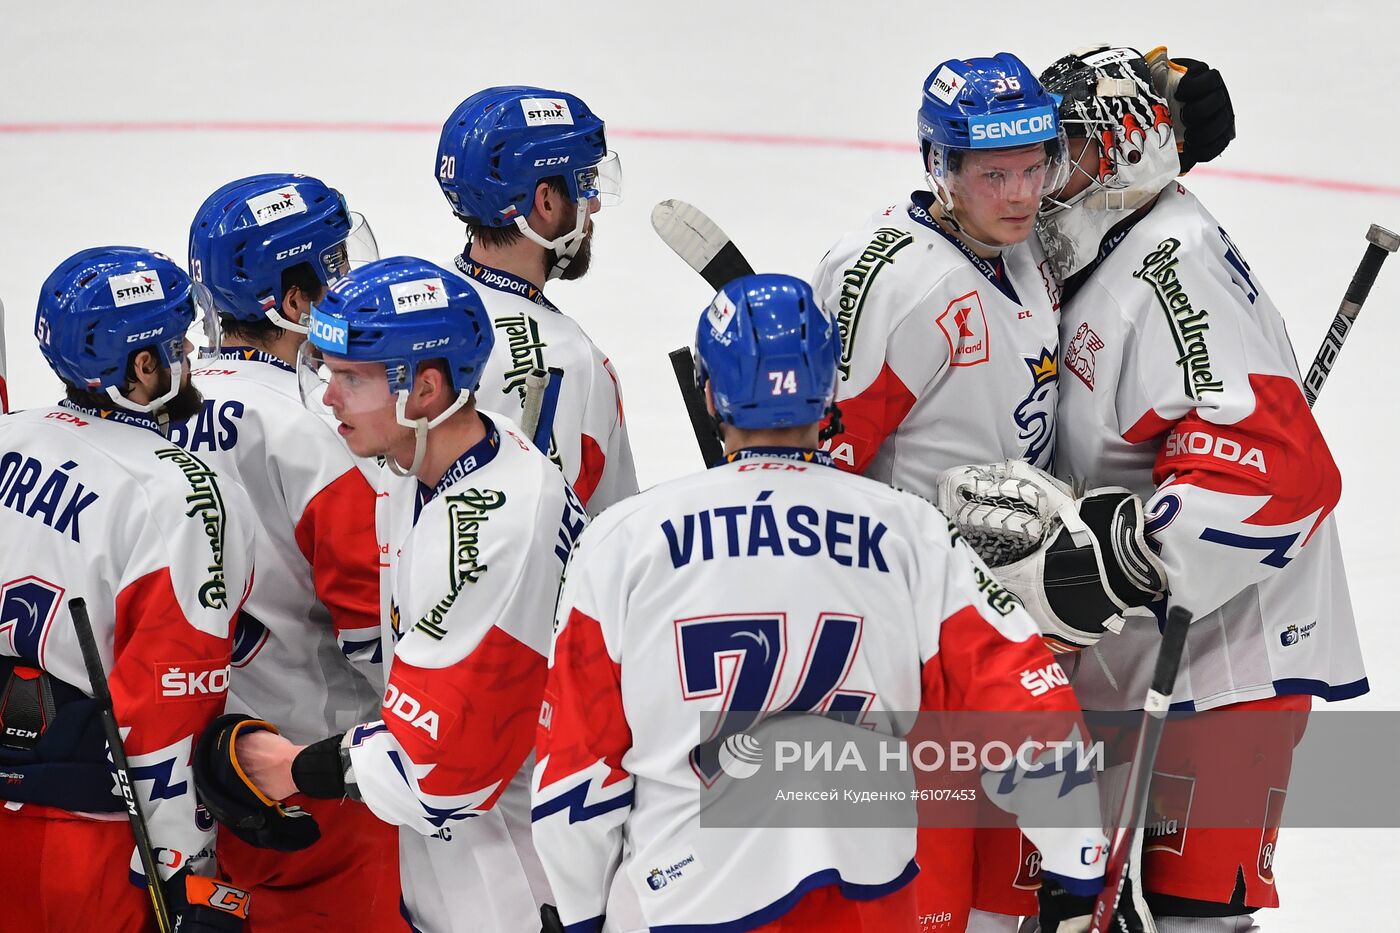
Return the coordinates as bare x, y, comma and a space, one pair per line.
1075, 564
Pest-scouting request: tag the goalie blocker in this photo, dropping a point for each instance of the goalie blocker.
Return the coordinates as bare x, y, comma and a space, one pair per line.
1077, 564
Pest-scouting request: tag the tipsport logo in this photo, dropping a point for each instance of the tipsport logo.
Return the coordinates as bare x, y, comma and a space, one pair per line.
284, 202
418, 295
134, 288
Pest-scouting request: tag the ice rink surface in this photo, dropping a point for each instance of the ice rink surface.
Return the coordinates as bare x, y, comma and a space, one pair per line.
787, 121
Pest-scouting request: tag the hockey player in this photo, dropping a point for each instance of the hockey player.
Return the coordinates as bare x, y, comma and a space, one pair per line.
473, 565
99, 504
681, 600
949, 356
265, 247
526, 169
1181, 385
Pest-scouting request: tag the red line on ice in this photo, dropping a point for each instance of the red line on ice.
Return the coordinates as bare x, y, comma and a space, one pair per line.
669, 135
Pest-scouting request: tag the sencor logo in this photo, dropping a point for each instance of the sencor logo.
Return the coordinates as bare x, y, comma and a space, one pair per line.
328, 333
990, 129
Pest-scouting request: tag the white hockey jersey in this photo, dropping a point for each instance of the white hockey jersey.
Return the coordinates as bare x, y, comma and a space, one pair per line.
1181, 385
946, 358
589, 442
685, 600
473, 567
99, 505
316, 601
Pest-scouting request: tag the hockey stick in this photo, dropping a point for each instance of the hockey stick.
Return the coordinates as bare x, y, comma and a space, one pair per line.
536, 381
1380, 244
706, 432
698, 240
1134, 809
707, 249
545, 406
92, 660
4, 390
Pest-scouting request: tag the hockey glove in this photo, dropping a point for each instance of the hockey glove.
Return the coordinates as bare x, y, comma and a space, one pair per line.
1063, 912
1076, 565
233, 800
206, 905
1200, 106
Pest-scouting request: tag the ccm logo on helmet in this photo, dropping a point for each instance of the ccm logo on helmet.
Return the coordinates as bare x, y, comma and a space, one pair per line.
988, 129
410, 710
1202, 444
553, 160
295, 250
430, 344
145, 335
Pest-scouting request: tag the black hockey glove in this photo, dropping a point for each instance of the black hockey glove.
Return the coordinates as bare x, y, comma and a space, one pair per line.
1075, 564
233, 800
1063, 912
206, 905
1200, 105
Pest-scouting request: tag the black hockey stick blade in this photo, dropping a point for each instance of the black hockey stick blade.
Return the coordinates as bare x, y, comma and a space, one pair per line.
706, 434
1155, 707
92, 660
698, 240
1380, 243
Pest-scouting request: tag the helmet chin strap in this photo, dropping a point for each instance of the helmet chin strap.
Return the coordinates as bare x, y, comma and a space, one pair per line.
420, 428
564, 247
276, 316
156, 406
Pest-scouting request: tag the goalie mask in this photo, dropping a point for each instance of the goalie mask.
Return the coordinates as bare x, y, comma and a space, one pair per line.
1121, 130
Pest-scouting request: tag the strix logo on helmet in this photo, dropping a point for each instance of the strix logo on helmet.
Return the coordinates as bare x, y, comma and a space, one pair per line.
102, 305
769, 353
251, 231
402, 312
502, 142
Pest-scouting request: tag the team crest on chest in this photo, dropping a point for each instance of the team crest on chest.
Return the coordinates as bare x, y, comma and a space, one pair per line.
1079, 355
964, 324
1035, 414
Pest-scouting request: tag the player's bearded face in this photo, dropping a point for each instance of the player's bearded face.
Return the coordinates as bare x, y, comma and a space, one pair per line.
187, 402
579, 266
996, 194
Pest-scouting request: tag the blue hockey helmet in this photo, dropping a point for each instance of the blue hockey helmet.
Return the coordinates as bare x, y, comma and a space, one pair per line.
500, 143
982, 104
769, 352
102, 305
399, 312
250, 231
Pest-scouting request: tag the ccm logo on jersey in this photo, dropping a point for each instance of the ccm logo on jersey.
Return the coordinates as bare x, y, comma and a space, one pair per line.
192, 681
1199, 443
411, 711
1041, 680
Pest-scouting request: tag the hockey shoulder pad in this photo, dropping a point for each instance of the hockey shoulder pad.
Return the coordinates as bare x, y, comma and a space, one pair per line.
235, 801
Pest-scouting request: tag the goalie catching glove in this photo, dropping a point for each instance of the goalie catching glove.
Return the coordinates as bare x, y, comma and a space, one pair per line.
235, 801
1075, 564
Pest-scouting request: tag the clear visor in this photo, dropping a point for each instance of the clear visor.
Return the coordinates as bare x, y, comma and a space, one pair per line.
204, 333
602, 181
359, 248
332, 386
1026, 173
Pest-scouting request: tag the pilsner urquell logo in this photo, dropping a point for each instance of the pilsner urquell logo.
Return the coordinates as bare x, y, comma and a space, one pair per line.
855, 283
1188, 324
